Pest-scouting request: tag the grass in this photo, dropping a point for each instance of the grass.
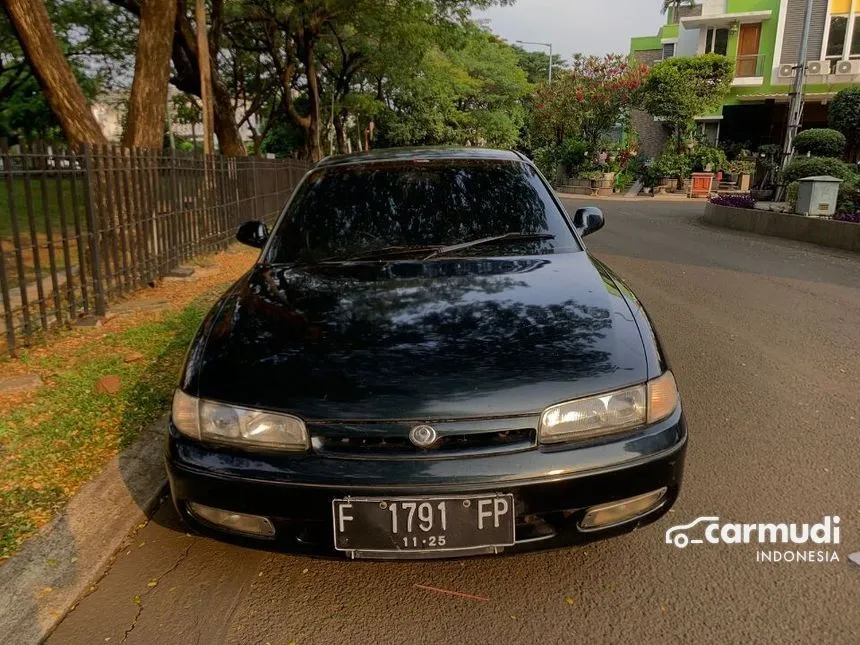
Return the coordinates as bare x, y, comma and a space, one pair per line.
55, 442
50, 208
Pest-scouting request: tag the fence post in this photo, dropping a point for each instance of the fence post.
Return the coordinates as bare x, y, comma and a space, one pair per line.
93, 233
256, 191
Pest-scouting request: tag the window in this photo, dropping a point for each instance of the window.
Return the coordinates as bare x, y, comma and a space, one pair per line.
668, 50
836, 36
717, 41
345, 210
842, 35
855, 41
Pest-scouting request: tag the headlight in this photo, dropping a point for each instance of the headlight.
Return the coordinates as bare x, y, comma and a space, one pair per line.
609, 413
202, 419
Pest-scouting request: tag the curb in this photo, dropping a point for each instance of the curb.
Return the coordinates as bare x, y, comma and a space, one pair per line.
681, 199
801, 228
52, 570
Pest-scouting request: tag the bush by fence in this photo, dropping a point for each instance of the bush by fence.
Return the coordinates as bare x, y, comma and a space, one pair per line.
79, 229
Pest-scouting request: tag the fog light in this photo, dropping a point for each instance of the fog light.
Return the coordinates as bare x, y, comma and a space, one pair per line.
606, 515
236, 522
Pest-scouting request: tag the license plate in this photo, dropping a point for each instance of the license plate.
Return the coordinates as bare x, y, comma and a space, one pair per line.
402, 524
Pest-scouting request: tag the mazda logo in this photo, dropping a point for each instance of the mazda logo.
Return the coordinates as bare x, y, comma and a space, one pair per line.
423, 436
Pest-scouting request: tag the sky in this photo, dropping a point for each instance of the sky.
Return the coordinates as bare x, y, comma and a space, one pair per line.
587, 26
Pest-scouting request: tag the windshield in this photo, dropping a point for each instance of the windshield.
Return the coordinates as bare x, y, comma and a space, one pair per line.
386, 209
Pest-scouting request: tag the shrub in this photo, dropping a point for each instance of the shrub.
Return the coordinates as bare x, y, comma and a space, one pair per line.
671, 164
844, 114
571, 155
847, 217
821, 142
736, 200
703, 156
849, 196
816, 166
791, 196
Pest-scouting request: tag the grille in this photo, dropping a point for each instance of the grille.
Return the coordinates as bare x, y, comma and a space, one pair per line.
478, 442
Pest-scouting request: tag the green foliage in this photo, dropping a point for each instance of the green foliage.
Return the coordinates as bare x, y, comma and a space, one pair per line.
802, 167
672, 164
742, 167
98, 39
820, 142
791, 192
844, 114
284, 138
536, 64
707, 158
470, 91
572, 154
679, 89
849, 196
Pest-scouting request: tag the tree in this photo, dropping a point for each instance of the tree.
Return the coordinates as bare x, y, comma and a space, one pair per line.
679, 89
536, 64
470, 90
586, 100
43, 51
844, 115
148, 100
675, 6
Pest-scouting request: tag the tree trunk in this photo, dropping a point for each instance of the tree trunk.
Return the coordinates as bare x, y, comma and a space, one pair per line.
340, 132
147, 104
309, 61
69, 105
229, 140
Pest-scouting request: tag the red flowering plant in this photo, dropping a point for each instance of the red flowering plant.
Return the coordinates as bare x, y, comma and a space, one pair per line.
587, 99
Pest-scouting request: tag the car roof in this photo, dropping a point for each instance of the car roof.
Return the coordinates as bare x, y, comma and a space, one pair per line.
416, 154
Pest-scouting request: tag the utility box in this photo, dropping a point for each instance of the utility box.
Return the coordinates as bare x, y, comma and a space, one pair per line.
818, 195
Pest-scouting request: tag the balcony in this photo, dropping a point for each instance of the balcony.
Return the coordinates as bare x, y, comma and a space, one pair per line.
749, 70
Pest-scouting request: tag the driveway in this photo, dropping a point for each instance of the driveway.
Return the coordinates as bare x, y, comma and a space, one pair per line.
764, 336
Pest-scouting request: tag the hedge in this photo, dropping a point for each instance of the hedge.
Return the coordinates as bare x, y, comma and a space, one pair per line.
816, 166
821, 142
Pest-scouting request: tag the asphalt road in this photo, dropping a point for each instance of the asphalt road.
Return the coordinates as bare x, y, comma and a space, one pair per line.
764, 336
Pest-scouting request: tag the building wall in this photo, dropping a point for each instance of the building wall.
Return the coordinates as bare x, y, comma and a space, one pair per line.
652, 134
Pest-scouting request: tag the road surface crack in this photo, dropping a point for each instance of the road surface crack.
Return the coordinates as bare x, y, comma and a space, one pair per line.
138, 600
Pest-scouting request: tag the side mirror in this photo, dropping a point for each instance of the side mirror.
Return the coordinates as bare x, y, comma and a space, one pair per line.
588, 220
253, 233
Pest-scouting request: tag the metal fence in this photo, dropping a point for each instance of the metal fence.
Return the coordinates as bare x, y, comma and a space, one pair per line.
79, 229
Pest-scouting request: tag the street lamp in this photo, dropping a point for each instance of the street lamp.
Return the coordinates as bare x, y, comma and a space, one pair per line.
529, 42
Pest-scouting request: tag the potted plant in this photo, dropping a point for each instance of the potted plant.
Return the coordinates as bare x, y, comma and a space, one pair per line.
594, 177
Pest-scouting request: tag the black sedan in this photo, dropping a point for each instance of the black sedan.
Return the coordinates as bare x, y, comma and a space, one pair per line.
425, 362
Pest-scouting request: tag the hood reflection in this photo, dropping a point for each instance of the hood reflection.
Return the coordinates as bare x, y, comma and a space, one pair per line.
421, 340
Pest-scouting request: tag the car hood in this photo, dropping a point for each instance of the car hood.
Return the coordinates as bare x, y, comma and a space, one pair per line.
416, 340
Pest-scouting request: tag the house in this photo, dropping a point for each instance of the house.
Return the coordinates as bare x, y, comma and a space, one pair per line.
763, 38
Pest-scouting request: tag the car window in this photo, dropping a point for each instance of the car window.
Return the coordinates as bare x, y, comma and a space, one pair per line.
343, 211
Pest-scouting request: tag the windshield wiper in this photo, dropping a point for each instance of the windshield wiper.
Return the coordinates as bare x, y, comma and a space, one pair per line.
388, 252
507, 237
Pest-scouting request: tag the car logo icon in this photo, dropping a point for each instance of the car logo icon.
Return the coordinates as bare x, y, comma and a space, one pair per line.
423, 436
676, 536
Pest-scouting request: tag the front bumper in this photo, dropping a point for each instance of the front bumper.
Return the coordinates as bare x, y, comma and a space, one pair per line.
552, 488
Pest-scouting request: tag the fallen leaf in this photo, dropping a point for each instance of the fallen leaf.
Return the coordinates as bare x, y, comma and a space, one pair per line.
304, 570
569, 600
136, 600
110, 384
152, 583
